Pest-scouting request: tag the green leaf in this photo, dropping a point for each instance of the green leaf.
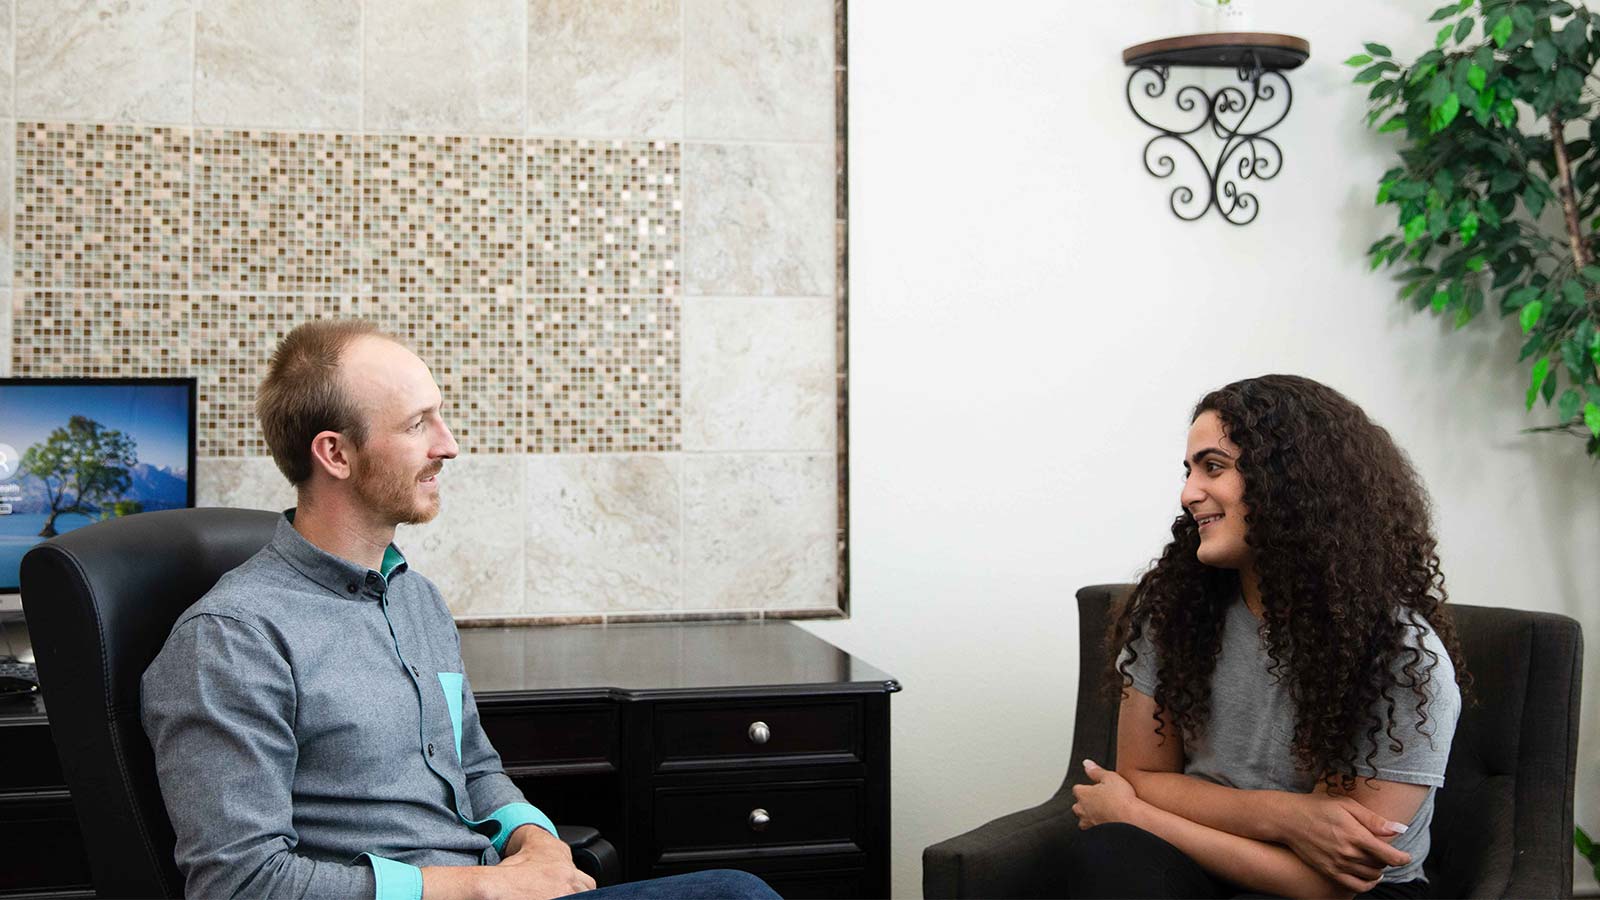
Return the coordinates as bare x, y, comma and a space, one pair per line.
1506, 112
1594, 349
1464, 315
1443, 12
1441, 299
1522, 17
1591, 417
1573, 291
1533, 345
1443, 35
1463, 28
1476, 76
1374, 72
1378, 49
1544, 54
1360, 59
1568, 407
1549, 390
1530, 315
1533, 200
1577, 363
1591, 274
1415, 228
1501, 32
1395, 123
1522, 296
1445, 113
1488, 213
1475, 264
1469, 230
1504, 181
1541, 371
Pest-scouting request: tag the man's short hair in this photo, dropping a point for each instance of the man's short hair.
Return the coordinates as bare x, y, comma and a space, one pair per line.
304, 393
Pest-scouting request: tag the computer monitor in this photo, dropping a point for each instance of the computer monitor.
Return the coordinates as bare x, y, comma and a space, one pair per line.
74, 451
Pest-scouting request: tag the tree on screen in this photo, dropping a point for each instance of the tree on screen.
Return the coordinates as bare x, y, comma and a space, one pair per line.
83, 466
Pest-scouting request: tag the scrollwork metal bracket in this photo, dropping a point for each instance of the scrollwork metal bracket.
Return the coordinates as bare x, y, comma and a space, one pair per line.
1231, 122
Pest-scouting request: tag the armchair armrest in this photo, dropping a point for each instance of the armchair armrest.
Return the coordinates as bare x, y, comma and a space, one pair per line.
592, 854
1017, 855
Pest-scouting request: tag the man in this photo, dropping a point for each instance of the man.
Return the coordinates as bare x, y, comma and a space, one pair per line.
314, 731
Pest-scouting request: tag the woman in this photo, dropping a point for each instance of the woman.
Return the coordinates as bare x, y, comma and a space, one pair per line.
1287, 670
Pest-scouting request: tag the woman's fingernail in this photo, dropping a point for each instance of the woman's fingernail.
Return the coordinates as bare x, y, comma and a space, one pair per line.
1397, 828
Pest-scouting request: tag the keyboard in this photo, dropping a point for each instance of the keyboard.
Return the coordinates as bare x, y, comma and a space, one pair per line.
18, 678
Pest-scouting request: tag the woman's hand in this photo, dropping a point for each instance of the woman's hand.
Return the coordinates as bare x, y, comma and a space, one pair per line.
1109, 798
1343, 840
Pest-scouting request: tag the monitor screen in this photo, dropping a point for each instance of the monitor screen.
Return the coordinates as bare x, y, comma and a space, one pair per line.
74, 451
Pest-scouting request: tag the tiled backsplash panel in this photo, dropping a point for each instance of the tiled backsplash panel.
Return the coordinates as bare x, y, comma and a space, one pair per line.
442, 214
276, 211
605, 217
102, 206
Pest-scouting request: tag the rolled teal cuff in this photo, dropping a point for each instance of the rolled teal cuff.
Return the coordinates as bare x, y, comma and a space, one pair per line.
396, 880
515, 815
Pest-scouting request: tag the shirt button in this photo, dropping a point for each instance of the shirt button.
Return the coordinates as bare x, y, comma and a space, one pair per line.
415, 673
372, 578
351, 588
430, 749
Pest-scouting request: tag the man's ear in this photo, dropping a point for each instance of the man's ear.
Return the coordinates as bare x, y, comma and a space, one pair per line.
330, 452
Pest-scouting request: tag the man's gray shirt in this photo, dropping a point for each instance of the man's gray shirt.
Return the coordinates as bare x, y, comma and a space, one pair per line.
1248, 741
315, 735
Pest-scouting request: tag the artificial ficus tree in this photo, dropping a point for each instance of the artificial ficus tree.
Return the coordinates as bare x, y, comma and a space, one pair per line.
1497, 190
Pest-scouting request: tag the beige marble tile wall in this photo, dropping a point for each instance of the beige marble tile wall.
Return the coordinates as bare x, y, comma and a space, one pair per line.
611, 226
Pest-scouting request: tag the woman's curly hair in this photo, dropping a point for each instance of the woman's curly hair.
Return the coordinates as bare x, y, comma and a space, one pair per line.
1345, 558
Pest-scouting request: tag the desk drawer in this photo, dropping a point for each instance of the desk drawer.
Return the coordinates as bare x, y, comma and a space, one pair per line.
43, 847
691, 820
695, 736
553, 739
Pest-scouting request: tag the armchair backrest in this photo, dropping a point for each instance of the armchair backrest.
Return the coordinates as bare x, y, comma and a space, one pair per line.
1502, 824
100, 602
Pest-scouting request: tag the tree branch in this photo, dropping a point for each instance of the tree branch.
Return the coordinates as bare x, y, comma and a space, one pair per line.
1569, 203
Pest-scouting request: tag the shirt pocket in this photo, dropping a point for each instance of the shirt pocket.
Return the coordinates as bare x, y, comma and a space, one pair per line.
452, 683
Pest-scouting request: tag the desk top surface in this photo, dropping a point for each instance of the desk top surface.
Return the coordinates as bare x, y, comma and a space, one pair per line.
666, 660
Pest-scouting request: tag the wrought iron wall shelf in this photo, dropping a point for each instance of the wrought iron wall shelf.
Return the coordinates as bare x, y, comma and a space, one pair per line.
1238, 121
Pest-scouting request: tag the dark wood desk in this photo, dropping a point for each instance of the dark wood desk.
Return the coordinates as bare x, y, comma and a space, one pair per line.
746, 745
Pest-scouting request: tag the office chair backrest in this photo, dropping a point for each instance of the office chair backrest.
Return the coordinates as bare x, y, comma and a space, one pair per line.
1502, 824
100, 601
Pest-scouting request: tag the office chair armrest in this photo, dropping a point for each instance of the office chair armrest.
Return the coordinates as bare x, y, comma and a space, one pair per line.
592, 854
1017, 855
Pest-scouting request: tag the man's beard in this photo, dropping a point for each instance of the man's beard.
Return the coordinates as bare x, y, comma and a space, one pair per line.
394, 494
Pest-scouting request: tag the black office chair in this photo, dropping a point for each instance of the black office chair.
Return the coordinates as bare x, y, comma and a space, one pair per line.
100, 601
1502, 824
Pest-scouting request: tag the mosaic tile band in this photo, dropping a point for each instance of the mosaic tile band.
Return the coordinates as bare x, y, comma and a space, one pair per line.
539, 277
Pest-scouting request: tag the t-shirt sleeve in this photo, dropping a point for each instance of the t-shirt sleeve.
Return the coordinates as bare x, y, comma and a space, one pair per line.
1142, 667
1425, 744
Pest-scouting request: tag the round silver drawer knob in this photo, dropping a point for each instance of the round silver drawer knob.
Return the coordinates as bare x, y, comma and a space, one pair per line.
759, 733
759, 820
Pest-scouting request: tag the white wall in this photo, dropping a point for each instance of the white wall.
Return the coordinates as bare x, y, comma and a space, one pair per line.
1030, 325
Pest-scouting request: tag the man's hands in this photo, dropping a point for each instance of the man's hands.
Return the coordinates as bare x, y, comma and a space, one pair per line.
1109, 798
537, 866
1343, 840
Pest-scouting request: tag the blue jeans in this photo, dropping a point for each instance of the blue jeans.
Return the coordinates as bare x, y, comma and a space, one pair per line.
712, 884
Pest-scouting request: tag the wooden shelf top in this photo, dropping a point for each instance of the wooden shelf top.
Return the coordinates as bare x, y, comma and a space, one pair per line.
1222, 49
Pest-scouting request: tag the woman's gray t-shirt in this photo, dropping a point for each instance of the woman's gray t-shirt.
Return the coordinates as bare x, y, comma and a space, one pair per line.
1247, 742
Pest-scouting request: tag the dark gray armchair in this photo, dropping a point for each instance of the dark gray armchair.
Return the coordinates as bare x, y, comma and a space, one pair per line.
1502, 825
